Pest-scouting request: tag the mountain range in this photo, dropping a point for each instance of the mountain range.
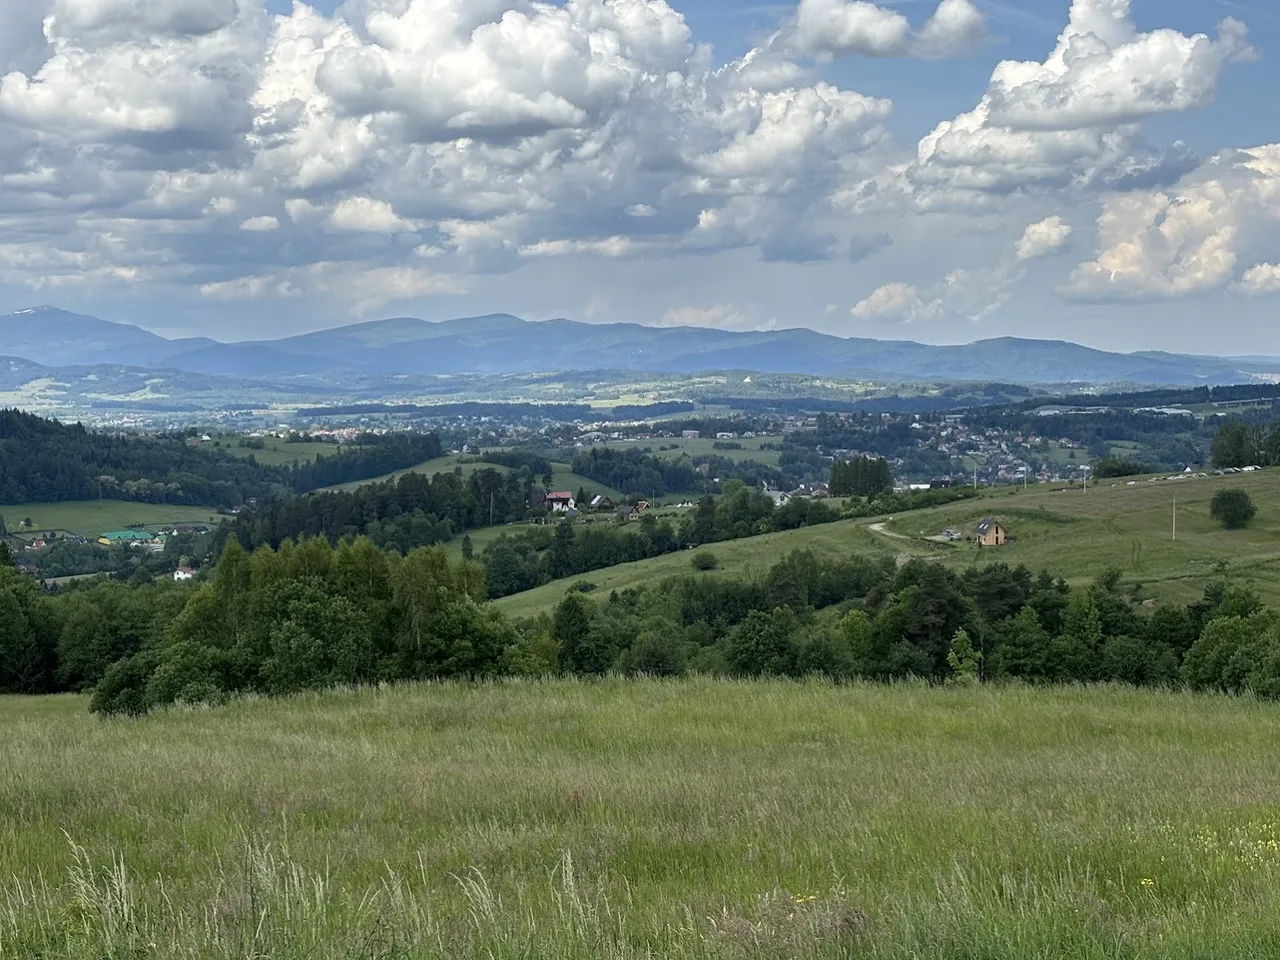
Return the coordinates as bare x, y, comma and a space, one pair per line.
500, 343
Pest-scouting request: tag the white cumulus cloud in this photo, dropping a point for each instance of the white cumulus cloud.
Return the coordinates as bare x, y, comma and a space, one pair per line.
1261, 279
836, 28
260, 224
1043, 238
1072, 119
367, 215
897, 301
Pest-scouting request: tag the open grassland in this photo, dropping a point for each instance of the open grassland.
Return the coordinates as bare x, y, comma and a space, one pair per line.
278, 453
564, 477
1078, 535
705, 446
1073, 534
90, 518
748, 557
692, 819
430, 468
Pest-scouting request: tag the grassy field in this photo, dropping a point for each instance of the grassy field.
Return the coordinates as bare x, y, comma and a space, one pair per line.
564, 477
278, 453
90, 518
706, 447
747, 557
623, 820
1078, 535
1073, 534
430, 468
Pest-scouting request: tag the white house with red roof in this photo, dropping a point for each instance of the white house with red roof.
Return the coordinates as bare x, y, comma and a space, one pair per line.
561, 501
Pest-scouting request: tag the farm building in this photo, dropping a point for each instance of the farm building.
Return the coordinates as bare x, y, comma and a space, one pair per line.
990, 533
602, 503
125, 536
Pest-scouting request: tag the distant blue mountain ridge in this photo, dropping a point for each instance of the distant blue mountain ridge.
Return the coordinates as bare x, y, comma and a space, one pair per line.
500, 343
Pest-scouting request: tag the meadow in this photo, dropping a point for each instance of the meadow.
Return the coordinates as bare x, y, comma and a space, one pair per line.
563, 476
90, 518
1073, 534
706, 446
279, 453
646, 819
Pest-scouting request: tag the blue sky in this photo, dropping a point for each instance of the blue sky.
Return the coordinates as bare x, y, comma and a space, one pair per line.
1104, 171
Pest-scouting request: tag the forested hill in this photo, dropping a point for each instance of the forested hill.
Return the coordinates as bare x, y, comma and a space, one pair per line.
46, 461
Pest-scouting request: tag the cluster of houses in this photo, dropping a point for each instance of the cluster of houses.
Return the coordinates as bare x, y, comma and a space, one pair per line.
566, 504
148, 540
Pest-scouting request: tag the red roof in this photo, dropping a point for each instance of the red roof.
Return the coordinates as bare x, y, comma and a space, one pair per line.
563, 495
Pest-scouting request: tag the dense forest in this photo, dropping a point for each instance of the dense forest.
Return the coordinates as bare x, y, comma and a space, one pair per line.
310, 616
413, 510
45, 461
860, 477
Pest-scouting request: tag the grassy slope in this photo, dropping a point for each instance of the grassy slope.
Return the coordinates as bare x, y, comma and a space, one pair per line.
92, 517
443, 464
748, 557
705, 446
645, 819
1072, 534
1128, 527
565, 478
278, 453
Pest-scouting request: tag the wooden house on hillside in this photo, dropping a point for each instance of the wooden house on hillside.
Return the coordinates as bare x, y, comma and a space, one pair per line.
990, 534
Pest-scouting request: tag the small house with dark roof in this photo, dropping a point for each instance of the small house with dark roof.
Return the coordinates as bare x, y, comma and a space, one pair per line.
990, 534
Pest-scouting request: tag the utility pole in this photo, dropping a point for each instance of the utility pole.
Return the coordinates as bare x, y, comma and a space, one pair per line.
1175, 519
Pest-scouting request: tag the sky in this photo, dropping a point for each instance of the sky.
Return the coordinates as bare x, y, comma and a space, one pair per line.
1102, 171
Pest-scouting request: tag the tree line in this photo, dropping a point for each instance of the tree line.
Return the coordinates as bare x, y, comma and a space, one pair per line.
515, 562
860, 477
411, 511
45, 461
309, 616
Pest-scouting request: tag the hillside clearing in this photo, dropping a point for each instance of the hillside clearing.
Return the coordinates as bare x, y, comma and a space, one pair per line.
279, 453
89, 518
1073, 534
693, 819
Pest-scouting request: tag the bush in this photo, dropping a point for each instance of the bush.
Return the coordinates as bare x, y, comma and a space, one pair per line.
1110, 467
1232, 508
583, 586
704, 560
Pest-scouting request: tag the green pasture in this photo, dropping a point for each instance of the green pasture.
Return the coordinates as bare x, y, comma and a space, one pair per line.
277, 452
705, 446
90, 518
635, 820
1073, 534
747, 557
430, 468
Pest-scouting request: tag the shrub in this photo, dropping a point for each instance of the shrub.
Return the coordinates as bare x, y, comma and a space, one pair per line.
1232, 508
1110, 467
704, 560
583, 586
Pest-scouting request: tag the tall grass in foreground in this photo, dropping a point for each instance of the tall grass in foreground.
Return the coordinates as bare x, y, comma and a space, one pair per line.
690, 819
